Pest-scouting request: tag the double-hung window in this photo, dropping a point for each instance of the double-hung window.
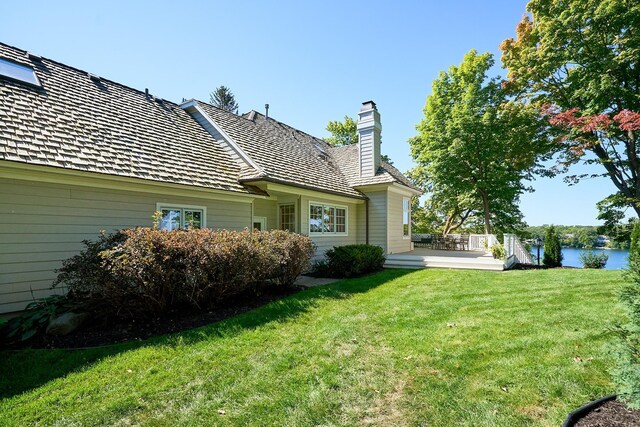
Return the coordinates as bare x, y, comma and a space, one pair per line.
327, 219
406, 216
174, 217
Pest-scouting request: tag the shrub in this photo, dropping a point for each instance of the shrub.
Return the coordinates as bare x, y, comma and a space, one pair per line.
627, 370
150, 271
351, 260
498, 251
634, 247
590, 259
84, 274
552, 250
34, 319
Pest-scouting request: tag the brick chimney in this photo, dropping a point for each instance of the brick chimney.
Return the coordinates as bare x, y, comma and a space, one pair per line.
369, 129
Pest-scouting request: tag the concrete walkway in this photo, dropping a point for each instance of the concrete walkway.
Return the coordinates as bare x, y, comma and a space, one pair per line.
310, 282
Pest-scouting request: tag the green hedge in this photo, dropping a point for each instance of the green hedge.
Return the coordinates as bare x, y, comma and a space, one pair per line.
350, 261
145, 271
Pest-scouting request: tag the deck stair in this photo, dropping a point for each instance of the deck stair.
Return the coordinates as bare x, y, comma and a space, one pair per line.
429, 258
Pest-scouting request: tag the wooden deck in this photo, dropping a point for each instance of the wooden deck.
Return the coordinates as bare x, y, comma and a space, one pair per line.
432, 258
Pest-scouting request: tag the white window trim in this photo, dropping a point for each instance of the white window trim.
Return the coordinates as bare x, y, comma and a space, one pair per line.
295, 216
162, 205
260, 219
335, 233
408, 236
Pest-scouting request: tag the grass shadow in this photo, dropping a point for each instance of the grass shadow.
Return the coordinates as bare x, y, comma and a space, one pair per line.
24, 370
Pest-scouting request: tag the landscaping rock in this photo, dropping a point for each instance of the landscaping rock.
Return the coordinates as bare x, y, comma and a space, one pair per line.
65, 323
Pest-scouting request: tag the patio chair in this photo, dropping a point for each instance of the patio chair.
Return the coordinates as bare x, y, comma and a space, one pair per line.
462, 242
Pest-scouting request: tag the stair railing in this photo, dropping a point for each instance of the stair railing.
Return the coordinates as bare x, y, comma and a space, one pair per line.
516, 252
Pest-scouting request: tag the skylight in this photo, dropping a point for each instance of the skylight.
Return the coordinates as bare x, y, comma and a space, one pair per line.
19, 72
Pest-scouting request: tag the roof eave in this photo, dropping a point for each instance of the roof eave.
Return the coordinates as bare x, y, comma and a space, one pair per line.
306, 187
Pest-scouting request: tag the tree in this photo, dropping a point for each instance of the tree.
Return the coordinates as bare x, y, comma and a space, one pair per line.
627, 355
552, 250
342, 133
223, 98
346, 133
579, 61
474, 147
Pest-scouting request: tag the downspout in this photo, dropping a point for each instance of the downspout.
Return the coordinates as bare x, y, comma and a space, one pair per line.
366, 221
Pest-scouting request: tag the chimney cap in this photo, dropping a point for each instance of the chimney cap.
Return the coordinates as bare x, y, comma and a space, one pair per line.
368, 105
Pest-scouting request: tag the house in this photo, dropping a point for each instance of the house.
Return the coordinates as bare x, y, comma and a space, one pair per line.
80, 153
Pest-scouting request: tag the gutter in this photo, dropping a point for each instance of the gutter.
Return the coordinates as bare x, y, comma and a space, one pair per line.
366, 221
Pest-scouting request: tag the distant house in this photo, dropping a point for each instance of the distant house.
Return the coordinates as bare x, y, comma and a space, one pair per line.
80, 153
602, 240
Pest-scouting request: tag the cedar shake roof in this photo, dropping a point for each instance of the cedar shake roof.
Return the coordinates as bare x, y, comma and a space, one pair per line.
285, 154
74, 122
347, 158
90, 124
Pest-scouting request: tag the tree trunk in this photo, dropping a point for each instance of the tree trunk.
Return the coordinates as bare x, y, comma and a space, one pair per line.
487, 210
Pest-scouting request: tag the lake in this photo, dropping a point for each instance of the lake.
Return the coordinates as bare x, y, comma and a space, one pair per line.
617, 257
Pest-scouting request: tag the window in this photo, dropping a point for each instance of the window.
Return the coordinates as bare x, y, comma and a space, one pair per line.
19, 72
185, 217
288, 217
327, 219
259, 223
406, 216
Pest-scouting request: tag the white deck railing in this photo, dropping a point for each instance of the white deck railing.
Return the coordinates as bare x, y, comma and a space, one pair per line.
482, 241
477, 242
516, 252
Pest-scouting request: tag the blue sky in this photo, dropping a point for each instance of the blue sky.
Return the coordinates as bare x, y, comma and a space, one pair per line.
311, 61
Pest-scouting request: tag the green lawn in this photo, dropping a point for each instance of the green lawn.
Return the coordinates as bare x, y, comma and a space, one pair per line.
430, 347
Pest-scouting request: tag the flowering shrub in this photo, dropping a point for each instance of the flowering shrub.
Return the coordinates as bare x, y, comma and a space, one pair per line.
151, 271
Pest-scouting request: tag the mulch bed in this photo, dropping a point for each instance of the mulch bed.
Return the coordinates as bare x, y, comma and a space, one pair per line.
611, 414
94, 334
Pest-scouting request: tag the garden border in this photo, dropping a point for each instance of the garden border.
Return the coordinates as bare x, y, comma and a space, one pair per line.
579, 413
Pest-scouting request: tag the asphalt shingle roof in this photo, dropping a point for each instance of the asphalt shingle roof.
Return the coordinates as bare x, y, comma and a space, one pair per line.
77, 123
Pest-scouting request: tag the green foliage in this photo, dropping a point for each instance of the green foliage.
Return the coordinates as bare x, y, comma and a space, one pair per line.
346, 133
342, 133
148, 271
627, 370
83, 273
498, 251
579, 236
350, 261
475, 147
580, 60
223, 98
591, 259
552, 249
634, 248
34, 319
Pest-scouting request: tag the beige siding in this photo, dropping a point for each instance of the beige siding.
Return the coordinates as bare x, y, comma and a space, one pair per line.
267, 209
43, 224
361, 223
327, 242
395, 238
378, 218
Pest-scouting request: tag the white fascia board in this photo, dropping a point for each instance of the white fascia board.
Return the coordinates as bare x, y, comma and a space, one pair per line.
234, 146
389, 186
